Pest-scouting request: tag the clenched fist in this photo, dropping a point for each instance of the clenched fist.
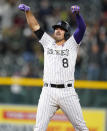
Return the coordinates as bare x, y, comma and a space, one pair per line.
75, 9
24, 7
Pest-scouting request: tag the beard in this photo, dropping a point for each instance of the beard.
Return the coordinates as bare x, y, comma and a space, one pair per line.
58, 37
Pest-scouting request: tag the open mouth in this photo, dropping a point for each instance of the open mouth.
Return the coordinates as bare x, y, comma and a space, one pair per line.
58, 33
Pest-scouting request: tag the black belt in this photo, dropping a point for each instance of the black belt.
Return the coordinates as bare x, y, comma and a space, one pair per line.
57, 86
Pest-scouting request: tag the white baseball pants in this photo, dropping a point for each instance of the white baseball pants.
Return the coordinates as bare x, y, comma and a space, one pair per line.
51, 99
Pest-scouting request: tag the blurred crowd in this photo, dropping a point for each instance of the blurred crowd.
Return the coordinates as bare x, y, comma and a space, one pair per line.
22, 55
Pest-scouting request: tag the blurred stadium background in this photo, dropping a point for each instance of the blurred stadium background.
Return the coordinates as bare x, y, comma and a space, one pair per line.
21, 56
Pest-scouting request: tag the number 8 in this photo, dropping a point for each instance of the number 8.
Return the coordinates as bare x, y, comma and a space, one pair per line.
65, 62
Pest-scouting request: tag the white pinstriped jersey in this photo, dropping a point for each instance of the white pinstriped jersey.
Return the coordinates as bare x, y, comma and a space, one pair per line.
59, 61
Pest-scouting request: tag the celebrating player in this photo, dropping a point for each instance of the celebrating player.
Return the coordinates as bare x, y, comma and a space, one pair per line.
60, 53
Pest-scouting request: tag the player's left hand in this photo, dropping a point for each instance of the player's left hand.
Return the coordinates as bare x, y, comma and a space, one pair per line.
75, 9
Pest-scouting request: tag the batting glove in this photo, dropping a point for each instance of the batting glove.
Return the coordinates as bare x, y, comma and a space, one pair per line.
75, 9
24, 7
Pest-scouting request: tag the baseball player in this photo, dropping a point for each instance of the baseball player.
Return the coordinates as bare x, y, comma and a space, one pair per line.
60, 53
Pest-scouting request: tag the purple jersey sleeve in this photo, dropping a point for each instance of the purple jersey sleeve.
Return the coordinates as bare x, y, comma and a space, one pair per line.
79, 33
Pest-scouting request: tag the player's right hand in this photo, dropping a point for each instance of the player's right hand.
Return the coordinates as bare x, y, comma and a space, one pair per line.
24, 7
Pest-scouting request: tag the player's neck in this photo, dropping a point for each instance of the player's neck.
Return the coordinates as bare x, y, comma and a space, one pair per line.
60, 42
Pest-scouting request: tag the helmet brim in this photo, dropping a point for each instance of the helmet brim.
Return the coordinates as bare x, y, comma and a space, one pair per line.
59, 26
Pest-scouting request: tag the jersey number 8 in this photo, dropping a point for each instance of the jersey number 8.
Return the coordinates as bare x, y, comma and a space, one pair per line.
65, 62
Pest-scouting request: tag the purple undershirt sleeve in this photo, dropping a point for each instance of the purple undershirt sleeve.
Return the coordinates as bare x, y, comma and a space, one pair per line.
79, 33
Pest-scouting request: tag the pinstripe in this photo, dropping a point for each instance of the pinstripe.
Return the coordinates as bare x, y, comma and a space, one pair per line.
55, 72
71, 107
45, 111
66, 107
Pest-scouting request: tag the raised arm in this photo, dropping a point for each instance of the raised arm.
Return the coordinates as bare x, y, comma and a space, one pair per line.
31, 20
81, 27
42, 36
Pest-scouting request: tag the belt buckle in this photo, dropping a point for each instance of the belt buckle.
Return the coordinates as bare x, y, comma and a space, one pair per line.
57, 86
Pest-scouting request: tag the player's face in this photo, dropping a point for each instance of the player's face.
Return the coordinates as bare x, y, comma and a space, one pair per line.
59, 34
